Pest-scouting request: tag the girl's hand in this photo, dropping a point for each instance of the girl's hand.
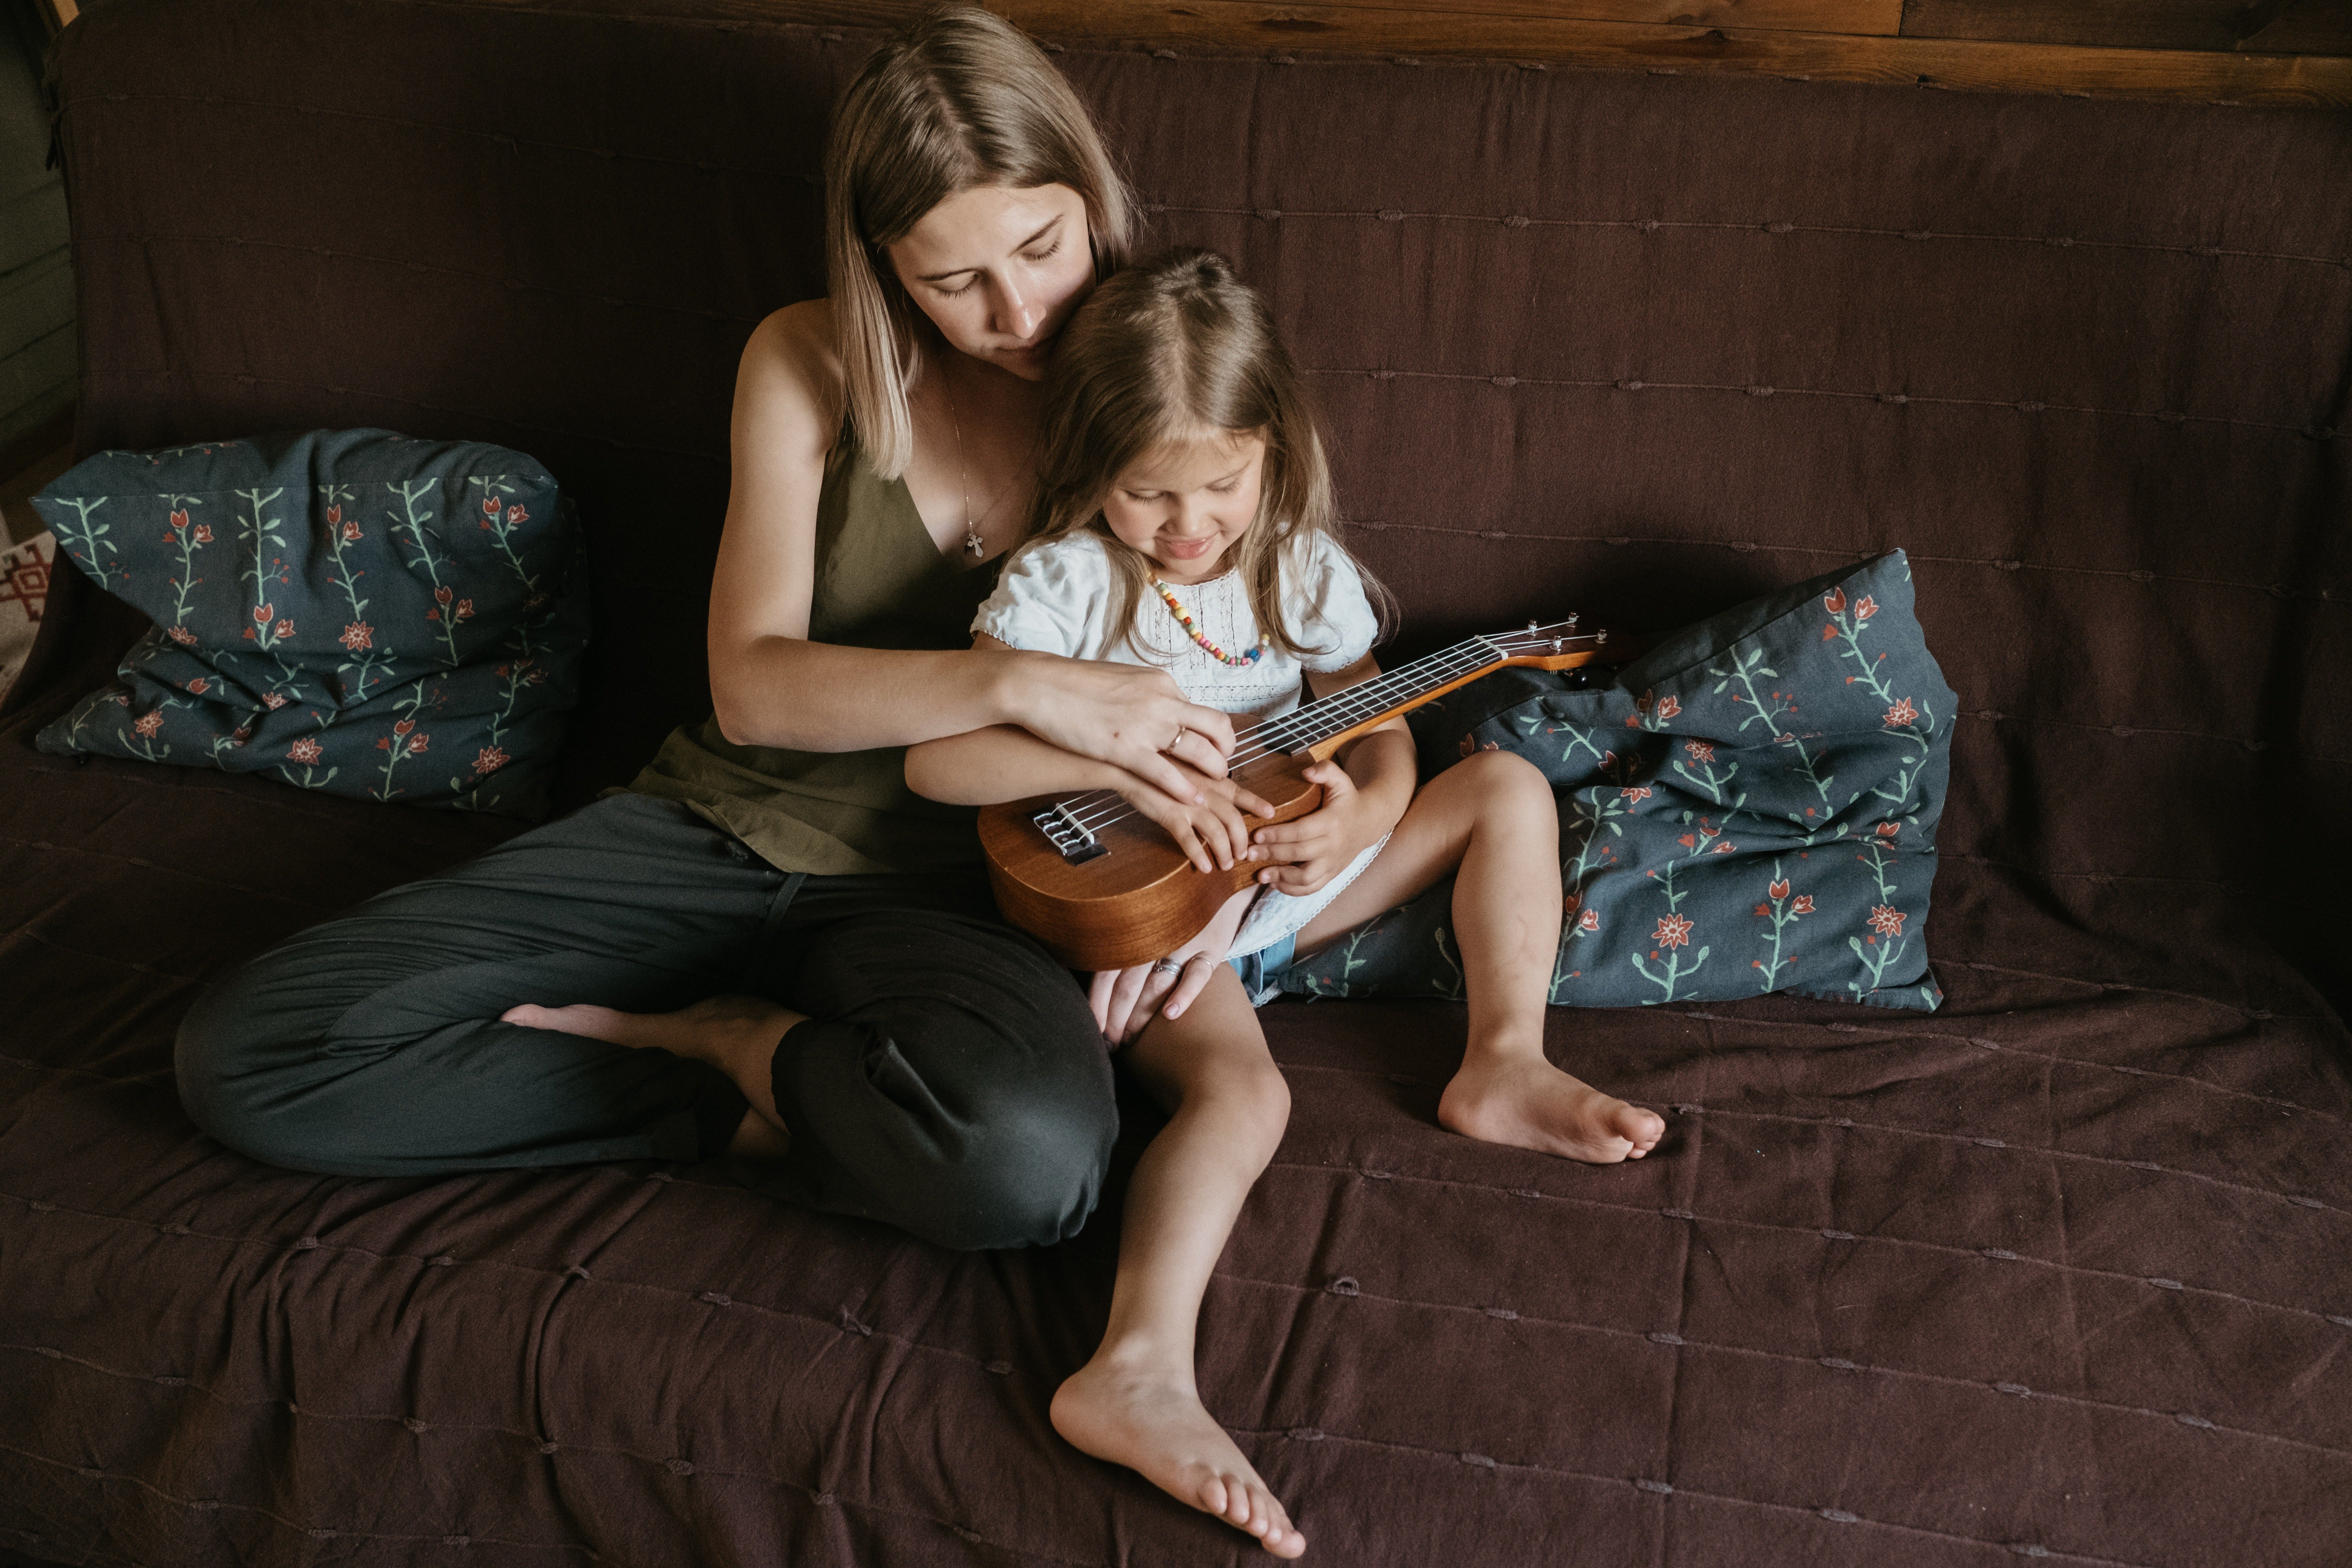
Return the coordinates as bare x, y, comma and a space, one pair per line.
1125, 1000
1312, 849
1212, 833
1129, 716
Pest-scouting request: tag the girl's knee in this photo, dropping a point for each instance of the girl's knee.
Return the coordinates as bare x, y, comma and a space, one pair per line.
1506, 782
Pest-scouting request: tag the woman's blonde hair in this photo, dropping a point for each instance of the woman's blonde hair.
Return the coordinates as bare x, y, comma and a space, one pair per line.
955, 100
1172, 350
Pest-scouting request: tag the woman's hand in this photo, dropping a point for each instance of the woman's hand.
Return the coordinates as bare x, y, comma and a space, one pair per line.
1125, 1000
1127, 715
1310, 850
1211, 833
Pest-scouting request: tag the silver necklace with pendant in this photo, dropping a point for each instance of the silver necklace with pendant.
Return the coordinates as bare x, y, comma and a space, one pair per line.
971, 540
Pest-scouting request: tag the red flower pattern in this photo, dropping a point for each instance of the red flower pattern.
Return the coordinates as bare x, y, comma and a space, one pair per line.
416, 743
357, 635
200, 686
403, 726
1886, 921
182, 636
1700, 751
1833, 601
273, 700
1589, 920
203, 535
489, 760
285, 628
1887, 830
1779, 890
1901, 713
1673, 931
148, 723
1803, 906
305, 750
352, 534
1864, 607
261, 614
516, 514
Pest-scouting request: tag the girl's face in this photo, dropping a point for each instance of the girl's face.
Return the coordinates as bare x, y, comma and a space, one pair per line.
998, 271
1184, 505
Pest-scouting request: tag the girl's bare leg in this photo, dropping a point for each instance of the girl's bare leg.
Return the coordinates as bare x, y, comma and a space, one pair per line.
1136, 1402
737, 1035
1492, 817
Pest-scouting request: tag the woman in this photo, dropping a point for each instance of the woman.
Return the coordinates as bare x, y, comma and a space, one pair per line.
814, 947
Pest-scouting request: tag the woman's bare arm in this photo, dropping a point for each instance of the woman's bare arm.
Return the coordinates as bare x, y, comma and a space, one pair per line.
1005, 761
770, 686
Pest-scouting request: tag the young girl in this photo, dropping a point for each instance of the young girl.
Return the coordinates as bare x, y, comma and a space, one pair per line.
1186, 520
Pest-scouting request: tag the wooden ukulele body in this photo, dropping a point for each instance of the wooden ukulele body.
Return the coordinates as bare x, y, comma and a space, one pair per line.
1139, 900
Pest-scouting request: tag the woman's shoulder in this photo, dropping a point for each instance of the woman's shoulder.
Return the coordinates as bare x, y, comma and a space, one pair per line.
793, 356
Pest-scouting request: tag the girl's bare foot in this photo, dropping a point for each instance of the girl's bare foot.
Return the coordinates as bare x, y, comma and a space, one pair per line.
1523, 1100
737, 1035
1154, 1424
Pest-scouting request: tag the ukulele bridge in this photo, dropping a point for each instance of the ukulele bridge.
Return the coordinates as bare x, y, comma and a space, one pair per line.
1067, 834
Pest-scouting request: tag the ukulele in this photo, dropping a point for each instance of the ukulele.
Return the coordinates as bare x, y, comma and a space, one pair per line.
1102, 886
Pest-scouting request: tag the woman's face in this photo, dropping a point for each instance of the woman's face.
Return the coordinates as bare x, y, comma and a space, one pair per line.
998, 271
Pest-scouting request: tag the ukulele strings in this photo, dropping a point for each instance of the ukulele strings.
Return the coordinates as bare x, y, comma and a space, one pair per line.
1101, 808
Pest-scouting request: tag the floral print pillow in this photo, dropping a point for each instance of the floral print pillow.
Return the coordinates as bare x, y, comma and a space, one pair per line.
349, 611
1751, 806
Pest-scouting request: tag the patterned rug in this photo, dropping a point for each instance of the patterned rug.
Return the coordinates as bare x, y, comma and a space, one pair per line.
24, 589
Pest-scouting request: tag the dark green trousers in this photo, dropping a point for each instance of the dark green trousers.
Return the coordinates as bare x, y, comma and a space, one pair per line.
949, 1080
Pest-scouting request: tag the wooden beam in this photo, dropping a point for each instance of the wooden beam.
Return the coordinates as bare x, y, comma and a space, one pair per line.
1867, 18
2319, 81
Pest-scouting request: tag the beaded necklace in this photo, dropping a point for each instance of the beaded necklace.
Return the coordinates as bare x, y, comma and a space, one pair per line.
1184, 618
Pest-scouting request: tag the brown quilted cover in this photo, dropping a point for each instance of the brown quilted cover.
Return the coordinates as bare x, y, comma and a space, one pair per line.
2063, 1270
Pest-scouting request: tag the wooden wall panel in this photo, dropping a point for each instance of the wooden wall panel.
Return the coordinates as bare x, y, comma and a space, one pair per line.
2313, 81
2300, 28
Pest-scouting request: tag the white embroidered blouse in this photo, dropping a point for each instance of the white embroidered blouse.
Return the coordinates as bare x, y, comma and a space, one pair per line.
1055, 597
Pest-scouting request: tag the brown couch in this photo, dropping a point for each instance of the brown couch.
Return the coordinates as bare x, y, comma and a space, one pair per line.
2063, 1270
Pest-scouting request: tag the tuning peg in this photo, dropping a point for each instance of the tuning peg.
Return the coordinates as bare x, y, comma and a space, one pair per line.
1533, 624
1571, 619
1601, 637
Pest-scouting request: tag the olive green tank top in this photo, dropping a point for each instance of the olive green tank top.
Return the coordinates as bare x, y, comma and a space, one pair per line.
880, 582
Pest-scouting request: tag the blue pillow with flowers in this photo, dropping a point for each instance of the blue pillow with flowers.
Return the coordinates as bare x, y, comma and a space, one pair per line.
1751, 806
349, 611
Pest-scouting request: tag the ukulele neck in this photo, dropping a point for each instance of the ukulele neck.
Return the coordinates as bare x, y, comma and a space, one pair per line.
1320, 728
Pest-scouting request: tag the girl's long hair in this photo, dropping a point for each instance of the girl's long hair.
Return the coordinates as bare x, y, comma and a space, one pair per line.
955, 100
1179, 349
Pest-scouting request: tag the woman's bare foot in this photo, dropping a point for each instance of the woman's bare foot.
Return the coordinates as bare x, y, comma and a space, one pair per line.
737, 1035
1154, 1424
1524, 1102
